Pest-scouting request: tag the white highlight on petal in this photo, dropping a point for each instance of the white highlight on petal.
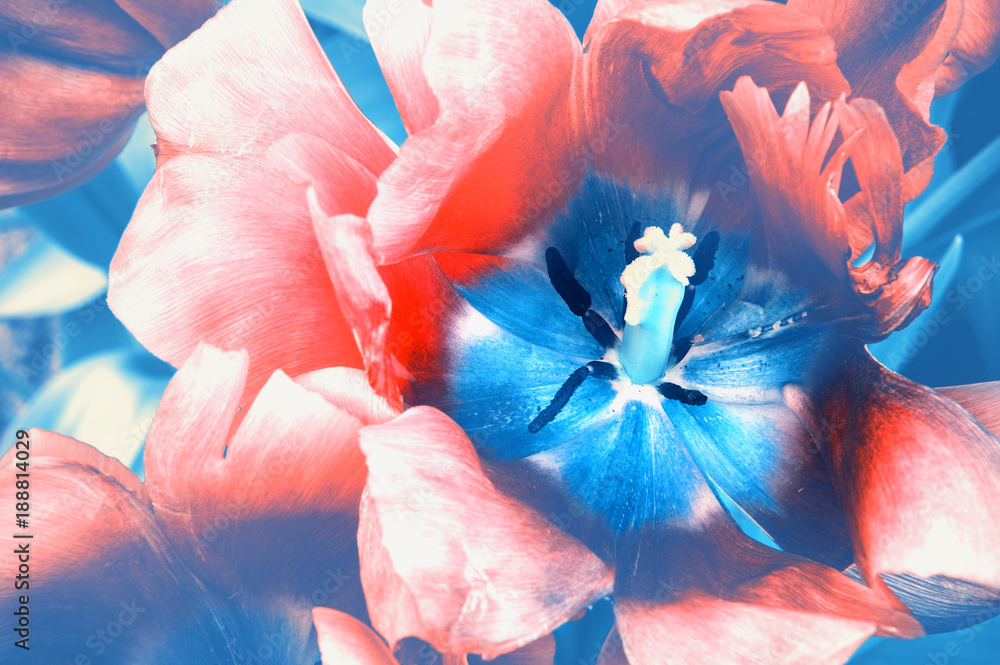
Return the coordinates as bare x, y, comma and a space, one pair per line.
659, 251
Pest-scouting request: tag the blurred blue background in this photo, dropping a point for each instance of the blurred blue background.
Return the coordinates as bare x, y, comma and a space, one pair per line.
66, 363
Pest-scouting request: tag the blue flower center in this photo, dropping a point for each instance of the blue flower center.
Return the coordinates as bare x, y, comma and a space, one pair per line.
616, 415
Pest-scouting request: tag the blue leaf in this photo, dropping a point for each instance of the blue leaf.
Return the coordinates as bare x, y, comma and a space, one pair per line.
945, 199
344, 15
107, 401
45, 280
354, 60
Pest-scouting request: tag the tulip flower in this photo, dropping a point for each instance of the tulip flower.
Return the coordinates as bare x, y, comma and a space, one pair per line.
620, 297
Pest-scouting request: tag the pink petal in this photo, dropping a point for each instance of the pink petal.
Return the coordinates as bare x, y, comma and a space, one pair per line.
674, 59
918, 476
975, 47
287, 481
719, 597
60, 124
251, 75
190, 268
398, 31
982, 400
96, 556
343, 640
700, 629
891, 53
475, 180
347, 246
348, 390
448, 558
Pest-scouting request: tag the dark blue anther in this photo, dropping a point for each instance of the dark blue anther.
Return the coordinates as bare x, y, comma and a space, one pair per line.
704, 257
565, 391
600, 330
682, 395
570, 290
603, 370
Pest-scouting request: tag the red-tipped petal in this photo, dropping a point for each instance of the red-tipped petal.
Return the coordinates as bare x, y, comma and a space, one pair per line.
673, 59
792, 185
288, 480
398, 31
448, 558
918, 476
499, 151
975, 47
251, 75
796, 192
890, 53
343, 640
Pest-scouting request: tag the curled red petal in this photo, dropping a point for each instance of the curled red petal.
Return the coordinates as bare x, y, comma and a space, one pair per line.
796, 190
890, 52
674, 58
334, 183
975, 47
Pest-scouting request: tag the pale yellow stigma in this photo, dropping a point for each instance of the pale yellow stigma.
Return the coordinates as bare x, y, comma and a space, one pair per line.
659, 251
